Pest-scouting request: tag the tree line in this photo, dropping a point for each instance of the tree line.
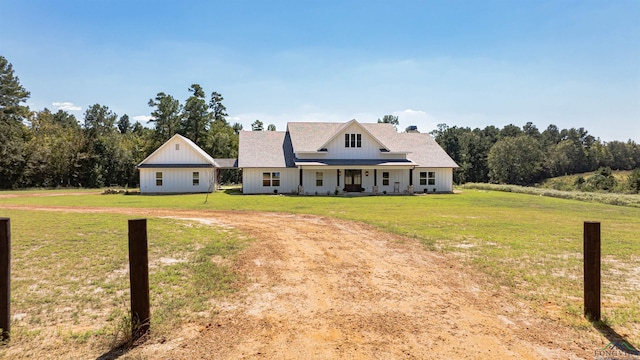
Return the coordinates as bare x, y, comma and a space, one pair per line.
524, 156
54, 149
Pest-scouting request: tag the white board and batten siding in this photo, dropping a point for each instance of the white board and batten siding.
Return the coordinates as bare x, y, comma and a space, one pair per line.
327, 180
252, 181
176, 151
443, 180
370, 148
177, 166
176, 180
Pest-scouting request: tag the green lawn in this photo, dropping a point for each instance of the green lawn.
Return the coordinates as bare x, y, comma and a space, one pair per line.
526, 244
70, 278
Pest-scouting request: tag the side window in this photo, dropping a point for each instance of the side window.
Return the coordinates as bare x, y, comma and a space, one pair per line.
385, 178
431, 178
159, 179
346, 140
196, 178
319, 178
423, 178
359, 140
271, 179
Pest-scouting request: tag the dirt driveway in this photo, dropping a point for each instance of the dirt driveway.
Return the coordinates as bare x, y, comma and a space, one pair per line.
322, 288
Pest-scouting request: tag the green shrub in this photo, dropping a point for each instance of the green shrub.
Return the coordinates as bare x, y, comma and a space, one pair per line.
633, 181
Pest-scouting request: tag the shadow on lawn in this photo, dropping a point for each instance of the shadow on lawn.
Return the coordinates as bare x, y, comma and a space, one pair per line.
124, 347
616, 340
114, 353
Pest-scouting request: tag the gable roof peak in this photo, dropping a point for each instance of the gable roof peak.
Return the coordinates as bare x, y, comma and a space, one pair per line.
206, 157
345, 126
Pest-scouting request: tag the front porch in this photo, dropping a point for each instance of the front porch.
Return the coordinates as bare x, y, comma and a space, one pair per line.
352, 180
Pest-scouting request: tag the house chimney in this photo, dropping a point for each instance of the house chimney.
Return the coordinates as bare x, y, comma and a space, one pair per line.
412, 129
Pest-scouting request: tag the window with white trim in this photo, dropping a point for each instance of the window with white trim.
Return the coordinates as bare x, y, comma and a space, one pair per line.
423, 178
431, 178
385, 178
352, 140
196, 178
271, 179
319, 176
159, 178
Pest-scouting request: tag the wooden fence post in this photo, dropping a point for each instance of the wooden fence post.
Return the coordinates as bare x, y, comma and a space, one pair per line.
139, 277
5, 277
592, 270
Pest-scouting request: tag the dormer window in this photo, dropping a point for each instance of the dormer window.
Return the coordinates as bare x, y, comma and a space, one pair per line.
352, 140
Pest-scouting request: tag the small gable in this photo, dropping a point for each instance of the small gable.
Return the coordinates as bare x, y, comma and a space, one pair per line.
352, 134
178, 151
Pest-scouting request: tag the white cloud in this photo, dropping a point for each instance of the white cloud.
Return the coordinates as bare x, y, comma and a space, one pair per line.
410, 112
142, 118
424, 121
65, 106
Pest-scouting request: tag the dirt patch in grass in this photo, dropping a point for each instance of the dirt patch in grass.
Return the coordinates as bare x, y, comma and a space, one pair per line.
323, 288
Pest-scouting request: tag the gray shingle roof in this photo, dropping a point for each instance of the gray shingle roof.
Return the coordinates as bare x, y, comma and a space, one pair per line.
276, 148
227, 163
265, 149
310, 136
425, 151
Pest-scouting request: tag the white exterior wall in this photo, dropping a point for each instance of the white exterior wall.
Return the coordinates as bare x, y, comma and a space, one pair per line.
370, 148
444, 180
169, 155
400, 176
252, 181
329, 181
176, 180
289, 180
354, 155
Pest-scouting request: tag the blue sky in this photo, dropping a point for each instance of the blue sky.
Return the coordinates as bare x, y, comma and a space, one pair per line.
463, 63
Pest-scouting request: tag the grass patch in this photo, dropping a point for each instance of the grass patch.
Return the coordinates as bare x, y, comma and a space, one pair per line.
529, 245
70, 271
600, 197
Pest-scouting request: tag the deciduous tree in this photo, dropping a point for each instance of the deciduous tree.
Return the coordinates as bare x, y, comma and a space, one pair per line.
515, 160
390, 119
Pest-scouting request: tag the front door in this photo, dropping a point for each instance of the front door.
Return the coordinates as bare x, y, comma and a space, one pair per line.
352, 180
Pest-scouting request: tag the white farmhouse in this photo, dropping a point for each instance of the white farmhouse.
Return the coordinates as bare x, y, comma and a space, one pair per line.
318, 157
178, 166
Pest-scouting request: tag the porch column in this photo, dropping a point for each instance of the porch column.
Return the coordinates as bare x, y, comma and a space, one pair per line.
300, 176
410, 177
338, 176
375, 177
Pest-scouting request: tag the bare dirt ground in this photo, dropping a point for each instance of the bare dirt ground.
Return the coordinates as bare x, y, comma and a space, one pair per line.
321, 288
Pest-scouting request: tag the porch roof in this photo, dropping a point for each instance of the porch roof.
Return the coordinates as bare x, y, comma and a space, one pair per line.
175, 166
354, 162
